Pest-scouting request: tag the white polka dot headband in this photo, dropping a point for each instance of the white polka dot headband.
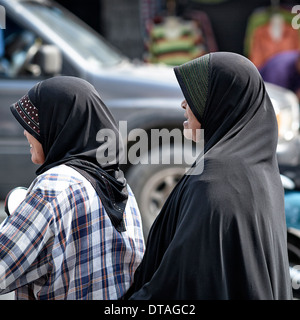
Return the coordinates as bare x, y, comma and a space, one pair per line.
28, 114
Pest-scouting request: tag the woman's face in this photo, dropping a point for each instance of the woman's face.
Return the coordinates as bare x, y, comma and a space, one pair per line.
36, 149
191, 124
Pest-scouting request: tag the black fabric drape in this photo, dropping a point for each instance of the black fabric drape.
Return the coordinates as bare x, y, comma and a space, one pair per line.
222, 233
71, 114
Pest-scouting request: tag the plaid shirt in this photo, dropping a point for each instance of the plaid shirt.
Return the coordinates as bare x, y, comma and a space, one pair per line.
60, 243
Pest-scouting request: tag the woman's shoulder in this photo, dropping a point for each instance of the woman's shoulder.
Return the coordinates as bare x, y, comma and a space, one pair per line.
56, 180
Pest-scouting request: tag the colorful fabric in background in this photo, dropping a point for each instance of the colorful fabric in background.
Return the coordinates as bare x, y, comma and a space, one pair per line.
174, 40
287, 65
149, 9
269, 31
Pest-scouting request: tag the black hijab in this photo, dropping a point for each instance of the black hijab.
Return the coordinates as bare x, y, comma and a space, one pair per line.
221, 233
66, 114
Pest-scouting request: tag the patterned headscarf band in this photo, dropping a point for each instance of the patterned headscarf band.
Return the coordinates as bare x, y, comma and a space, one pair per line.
27, 115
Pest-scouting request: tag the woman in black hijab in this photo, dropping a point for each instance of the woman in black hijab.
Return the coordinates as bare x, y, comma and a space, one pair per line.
222, 233
77, 234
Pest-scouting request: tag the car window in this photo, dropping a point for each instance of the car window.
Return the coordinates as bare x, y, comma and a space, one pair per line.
88, 44
18, 53
15, 43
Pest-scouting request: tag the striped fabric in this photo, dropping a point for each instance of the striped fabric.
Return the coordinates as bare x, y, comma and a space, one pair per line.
193, 80
60, 243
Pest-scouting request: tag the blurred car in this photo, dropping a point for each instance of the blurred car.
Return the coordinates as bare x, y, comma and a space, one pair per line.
42, 39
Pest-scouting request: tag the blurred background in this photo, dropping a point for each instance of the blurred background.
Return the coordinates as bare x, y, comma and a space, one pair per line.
222, 24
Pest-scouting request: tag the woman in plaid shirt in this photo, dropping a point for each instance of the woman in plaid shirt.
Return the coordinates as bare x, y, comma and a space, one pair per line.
78, 233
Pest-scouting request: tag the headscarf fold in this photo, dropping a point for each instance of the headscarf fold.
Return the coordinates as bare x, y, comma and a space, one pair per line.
69, 115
